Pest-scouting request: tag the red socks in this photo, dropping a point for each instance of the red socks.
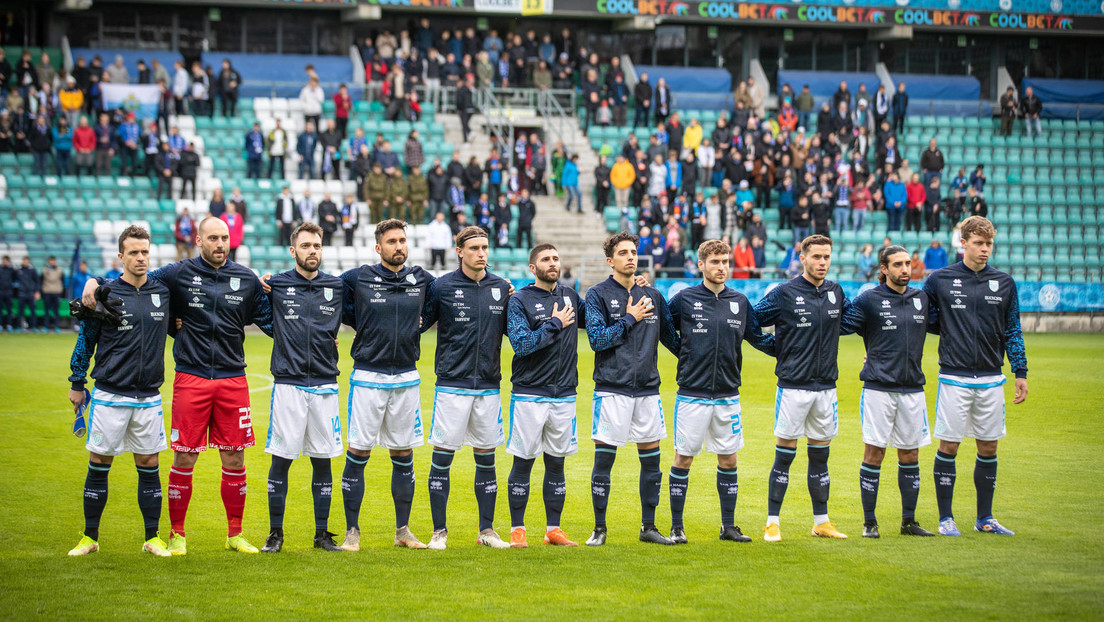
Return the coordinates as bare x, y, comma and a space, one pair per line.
233, 498
180, 494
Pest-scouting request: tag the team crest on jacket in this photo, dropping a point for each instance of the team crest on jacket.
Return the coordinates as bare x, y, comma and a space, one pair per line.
155, 299
992, 285
327, 292
916, 303
235, 283
832, 297
496, 293
567, 301
410, 279
735, 307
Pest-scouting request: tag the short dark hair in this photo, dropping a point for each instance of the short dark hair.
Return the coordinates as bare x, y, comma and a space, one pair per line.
468, 233
883, 257
538, 249
54, 257
307, 227
815, 240
617, 238
387, 225
133, 231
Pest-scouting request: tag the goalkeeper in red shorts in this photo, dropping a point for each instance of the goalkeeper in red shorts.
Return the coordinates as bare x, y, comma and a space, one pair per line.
216, 299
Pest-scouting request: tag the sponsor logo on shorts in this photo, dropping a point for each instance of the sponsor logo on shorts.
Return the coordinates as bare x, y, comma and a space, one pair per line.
174, 435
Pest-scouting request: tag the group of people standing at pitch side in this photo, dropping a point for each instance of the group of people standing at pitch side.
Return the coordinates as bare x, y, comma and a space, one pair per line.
206, 303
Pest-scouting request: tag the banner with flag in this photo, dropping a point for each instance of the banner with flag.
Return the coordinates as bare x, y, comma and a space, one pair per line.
141, 99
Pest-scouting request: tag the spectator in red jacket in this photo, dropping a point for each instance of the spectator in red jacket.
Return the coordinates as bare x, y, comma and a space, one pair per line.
84, 144
343, 104
236, 224
860, 203
743, 260
916, 194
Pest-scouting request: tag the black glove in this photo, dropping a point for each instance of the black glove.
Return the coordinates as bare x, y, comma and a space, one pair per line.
106, 310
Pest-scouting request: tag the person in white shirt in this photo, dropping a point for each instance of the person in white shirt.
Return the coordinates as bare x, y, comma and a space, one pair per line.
179, 86
307, 210
312, 96
707, 157
440, 238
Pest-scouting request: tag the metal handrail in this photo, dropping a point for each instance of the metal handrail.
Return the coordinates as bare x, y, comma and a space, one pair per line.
499, 124
556, 119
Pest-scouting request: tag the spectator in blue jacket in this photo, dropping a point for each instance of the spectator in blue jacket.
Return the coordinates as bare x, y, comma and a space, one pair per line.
79, 278
896, 200
63, 146
254, 152
936, 256
128, 135
571, 183
305, 146
977, 180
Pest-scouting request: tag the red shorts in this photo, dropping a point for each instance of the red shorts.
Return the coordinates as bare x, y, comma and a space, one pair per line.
210, 413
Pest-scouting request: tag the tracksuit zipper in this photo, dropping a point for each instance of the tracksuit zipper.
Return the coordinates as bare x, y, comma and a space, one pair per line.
310, 346
716, 349
478, 330
214, 315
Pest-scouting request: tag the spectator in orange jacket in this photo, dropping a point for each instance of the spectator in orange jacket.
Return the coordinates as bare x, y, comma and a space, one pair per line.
787, 116
622, 177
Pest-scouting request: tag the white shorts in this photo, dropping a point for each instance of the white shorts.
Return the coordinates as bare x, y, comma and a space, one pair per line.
119, 424
385, 410
304, 421
972, 407
619, 419
714, 423
900, 418
812, 414
542, 425
471, 417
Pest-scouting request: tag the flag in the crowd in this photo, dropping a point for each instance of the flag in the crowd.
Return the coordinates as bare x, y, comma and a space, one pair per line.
74, 267
141, 99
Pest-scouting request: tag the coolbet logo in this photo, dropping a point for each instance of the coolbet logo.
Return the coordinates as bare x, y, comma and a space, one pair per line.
827, 14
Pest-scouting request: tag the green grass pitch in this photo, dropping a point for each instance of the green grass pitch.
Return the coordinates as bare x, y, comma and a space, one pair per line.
1049, 492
